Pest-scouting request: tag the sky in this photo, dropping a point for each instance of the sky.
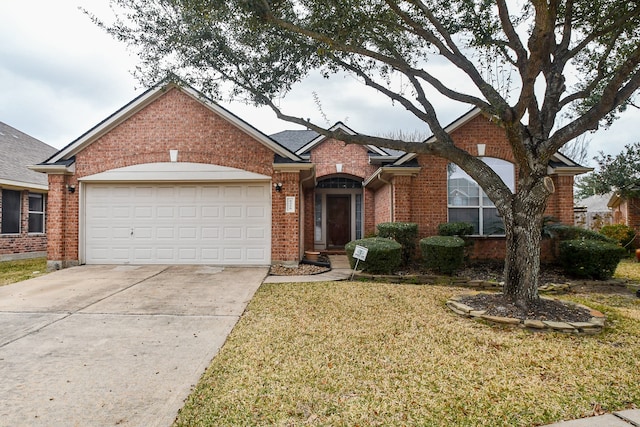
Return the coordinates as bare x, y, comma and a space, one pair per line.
60, 75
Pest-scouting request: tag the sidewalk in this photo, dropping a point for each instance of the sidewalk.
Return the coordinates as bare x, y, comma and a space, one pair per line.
628, 418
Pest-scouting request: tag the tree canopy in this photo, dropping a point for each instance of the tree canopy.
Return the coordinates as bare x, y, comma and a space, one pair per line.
619, 173
524, 63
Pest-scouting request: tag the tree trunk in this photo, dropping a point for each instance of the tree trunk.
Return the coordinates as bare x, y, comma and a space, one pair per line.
522, 262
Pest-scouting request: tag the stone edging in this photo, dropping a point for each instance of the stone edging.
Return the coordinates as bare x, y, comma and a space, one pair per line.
594, 326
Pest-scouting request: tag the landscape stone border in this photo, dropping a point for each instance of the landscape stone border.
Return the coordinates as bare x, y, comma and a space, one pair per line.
594, 326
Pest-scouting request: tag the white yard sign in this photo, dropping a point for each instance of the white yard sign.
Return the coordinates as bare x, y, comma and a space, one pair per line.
359, 254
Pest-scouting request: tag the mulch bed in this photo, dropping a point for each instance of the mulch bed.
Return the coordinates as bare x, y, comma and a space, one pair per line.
544, 309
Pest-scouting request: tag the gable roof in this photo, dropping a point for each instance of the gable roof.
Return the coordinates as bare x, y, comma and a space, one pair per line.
20, 150
559, 163
294, 139
321, 138
595, 203
146, 99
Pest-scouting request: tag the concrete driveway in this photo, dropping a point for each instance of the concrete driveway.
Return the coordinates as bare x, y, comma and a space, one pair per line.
113, 345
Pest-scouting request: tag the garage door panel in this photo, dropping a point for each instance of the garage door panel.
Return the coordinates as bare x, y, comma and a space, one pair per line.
203, 224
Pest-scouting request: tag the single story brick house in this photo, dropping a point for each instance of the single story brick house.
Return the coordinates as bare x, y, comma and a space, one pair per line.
173, 177
24, 195
626, 211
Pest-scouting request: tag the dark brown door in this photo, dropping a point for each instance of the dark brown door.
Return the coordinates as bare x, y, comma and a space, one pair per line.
338, 220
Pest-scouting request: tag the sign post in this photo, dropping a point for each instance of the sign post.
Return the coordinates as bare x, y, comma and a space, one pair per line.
360, 254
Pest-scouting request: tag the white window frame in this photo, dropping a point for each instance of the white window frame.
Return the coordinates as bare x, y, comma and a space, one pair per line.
43, 213
497, 165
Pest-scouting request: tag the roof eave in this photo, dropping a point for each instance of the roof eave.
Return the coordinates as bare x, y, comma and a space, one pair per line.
383, 174
568, 170
54, 169
20, 185
149, 97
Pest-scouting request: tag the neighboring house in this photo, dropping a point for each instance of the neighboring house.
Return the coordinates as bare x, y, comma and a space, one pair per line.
626, 211
592, 212
174, 178
24, 195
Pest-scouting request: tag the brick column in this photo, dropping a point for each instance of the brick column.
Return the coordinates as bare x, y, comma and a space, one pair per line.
55, 222
401, 199
285, 233
560, 203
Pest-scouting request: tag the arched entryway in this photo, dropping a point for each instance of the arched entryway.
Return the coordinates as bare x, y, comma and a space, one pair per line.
338, 213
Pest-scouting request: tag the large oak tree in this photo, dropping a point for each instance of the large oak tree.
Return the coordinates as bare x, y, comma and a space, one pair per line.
572, 65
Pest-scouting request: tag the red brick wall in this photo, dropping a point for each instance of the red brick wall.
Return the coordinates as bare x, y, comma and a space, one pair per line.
354, 159
628, 213
369, 201
560, 203
23, 242
285, 235
175, 121
383, 202
402, 197
428, 201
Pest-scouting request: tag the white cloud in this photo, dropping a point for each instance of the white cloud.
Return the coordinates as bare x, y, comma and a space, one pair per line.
60, 75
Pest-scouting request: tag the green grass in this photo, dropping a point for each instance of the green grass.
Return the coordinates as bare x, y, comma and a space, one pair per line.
368, 354
16, 271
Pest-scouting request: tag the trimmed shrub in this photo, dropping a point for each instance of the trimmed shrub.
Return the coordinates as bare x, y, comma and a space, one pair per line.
384, 255
590, 258
623, 234
455, 229
405, 233
570, 232
442, 253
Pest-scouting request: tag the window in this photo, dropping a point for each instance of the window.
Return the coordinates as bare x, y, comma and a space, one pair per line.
36, 212
468, 203
11, 202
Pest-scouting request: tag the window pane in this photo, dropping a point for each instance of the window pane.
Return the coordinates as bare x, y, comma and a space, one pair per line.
10, 212
463, 190
318, 218
36, 223
35, 203
469, 215
492, 223
358, 216
504, 170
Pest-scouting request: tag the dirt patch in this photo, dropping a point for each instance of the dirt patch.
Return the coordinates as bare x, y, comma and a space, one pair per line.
544, 309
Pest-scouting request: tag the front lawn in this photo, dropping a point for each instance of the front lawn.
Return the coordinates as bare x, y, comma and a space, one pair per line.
365, 354
16, 271
628, 269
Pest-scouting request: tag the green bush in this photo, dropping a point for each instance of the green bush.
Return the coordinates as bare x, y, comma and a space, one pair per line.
405, 233
384, 255
455, 229
623, 234
570, 232
590, 258
442, 253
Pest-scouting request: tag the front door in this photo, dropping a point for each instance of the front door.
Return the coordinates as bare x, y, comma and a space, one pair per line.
338, 220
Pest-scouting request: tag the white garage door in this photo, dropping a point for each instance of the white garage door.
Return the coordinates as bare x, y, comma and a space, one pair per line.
217, 223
